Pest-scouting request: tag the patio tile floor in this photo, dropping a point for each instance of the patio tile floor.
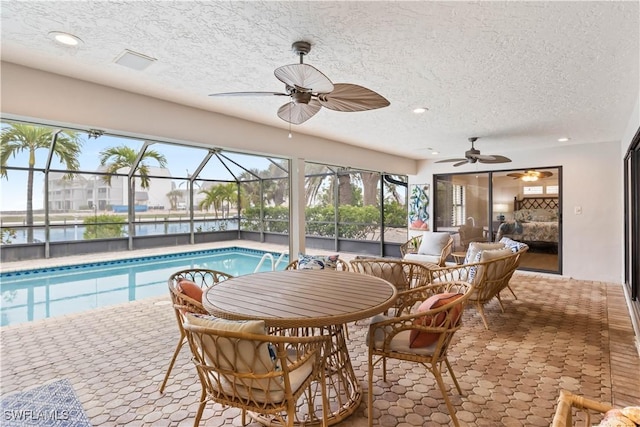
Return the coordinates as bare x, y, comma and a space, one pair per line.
559, 334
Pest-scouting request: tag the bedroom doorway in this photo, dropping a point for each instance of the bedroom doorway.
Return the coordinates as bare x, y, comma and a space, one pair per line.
523, 204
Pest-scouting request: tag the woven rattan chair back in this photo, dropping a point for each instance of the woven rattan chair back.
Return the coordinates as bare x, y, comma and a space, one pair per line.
412, 245
404, 275
489, 278
201, 277
388, 338
232, 373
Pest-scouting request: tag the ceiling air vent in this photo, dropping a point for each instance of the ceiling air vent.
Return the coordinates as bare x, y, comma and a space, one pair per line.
134, 60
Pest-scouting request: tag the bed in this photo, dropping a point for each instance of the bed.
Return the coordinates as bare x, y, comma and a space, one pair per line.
535, 221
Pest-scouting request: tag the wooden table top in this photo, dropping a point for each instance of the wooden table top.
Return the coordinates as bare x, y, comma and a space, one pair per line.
300, 298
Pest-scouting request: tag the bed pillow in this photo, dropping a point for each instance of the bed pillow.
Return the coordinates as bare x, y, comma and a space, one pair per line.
522, 215
317, 262
190, 289
419, 338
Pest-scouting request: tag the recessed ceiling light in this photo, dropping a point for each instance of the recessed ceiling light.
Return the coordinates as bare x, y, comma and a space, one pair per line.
565, 139
435, 152
65, 38
420, 110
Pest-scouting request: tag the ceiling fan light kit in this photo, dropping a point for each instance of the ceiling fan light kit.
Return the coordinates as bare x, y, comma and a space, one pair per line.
309, 90
473, 156
530, 175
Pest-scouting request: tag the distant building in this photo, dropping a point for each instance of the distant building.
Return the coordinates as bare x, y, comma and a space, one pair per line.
85, 191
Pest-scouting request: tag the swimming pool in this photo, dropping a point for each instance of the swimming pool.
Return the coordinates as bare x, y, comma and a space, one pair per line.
38, 294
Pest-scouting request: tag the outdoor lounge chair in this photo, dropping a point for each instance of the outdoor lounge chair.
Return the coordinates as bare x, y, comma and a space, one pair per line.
489, 272
429, 247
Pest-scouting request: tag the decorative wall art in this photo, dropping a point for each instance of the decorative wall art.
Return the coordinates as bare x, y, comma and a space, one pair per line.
419, 207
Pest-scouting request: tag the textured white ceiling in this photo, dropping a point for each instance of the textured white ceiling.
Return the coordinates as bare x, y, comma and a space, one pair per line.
517, 74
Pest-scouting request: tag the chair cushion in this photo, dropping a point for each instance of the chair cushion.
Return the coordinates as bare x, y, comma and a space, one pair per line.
317, 262
433, 243
222, 352
190, 289
488, 255
419, 338
433, 259
475, 247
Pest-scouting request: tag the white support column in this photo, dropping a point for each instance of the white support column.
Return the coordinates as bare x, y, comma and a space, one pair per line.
297, 201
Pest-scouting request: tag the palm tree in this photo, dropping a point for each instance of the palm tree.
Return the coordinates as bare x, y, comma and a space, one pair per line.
17, 138
116, 158
216, 195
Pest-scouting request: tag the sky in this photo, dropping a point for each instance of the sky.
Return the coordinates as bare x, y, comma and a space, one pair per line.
181, 161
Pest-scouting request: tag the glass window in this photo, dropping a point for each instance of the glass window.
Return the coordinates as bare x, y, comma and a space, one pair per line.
536, 189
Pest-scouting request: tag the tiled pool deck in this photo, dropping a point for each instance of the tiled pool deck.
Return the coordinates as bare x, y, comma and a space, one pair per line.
559, 334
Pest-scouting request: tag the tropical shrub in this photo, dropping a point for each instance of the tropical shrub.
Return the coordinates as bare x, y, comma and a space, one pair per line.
104, 226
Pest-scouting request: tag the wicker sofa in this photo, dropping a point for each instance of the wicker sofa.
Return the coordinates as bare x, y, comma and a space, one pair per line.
488, 267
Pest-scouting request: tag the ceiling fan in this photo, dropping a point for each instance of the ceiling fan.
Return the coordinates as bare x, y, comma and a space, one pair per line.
473, 156
309, 90
530, 175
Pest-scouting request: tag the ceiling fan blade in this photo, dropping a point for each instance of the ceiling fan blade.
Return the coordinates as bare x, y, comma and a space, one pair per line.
496, 159
250, 94
298, 113
451, 160
349, 97
304, 77
465, 161
483, 157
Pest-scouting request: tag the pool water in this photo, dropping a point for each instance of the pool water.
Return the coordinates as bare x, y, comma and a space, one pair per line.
38, 294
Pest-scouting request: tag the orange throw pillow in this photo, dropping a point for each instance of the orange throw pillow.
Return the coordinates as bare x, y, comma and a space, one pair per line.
419, 338
190, 289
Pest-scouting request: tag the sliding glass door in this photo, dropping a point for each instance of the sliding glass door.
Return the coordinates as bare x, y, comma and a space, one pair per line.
632, 224
524, 205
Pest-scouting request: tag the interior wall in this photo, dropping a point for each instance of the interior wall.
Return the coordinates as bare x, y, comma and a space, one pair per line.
45, 97
592, 181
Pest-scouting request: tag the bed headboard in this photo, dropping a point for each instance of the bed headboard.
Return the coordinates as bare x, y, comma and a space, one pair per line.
535, 203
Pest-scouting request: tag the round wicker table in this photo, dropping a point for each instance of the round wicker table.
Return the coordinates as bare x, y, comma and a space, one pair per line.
308, 302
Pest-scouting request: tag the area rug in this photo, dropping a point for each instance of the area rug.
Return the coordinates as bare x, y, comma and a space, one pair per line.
53, 404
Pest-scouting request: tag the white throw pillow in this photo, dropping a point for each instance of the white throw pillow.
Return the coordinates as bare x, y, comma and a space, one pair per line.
433, 242
475, 247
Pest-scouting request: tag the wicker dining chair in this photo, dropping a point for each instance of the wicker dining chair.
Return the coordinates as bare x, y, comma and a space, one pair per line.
252, 371
394, 337
404, 275
202, 278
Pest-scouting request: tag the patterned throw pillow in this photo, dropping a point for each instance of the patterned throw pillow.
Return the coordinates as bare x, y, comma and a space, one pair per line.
419, 338
514, 245
317, 262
